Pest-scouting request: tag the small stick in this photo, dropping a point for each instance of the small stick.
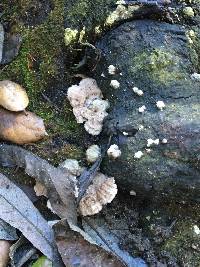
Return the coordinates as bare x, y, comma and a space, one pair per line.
87, 176
50, 102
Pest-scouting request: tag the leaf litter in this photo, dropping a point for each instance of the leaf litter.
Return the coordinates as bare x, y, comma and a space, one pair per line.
74, 244
19, 212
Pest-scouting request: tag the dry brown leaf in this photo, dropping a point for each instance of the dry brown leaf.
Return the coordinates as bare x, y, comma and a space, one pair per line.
59, 183
21, 127
76, 251
4, 252
12, 96
18, 211
40, 189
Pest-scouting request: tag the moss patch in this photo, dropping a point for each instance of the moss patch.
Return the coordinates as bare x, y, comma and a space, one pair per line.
40, 68
159, 65
36, 63
184, 245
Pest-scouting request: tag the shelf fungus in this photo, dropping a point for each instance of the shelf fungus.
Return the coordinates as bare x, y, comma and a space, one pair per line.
88, 106
12, 96
101, 192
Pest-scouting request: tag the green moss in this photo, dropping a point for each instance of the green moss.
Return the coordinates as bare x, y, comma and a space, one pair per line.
42, 262
79, 16
161, 66
37, 68
184, 245
36, 63
194, 48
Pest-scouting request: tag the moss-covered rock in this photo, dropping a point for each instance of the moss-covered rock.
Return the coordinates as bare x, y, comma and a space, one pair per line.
151, 56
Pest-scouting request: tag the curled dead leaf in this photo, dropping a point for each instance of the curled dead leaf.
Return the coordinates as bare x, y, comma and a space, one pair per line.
77, 250
4, 252
12, 96
21, 127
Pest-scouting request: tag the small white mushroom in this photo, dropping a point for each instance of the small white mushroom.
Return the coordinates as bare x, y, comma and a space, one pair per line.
114, 152
138, 91
138, 155
141, 127
93, 153
132, 193
125, 133
151, 142
115, 84
164, 141
196, 229
142, 109
112, 69
160, 105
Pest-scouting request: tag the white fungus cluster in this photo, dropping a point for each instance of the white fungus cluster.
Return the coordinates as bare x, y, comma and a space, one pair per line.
151, 142
138, 91
93, 153
114, 152
160, 105
196, 230
112, 70
114, 84
88, 105
102, 191
164, 141
138, 154
142, 109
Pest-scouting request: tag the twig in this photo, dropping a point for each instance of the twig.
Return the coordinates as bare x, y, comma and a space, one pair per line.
87, 176
50, 102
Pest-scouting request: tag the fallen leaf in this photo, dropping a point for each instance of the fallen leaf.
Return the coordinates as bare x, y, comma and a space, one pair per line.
42, 262
7, 232
21, 127
40, 189
12, 96
21, 252
4, 252
97, 229
59, 184
11, 47
76, 251
19, 212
